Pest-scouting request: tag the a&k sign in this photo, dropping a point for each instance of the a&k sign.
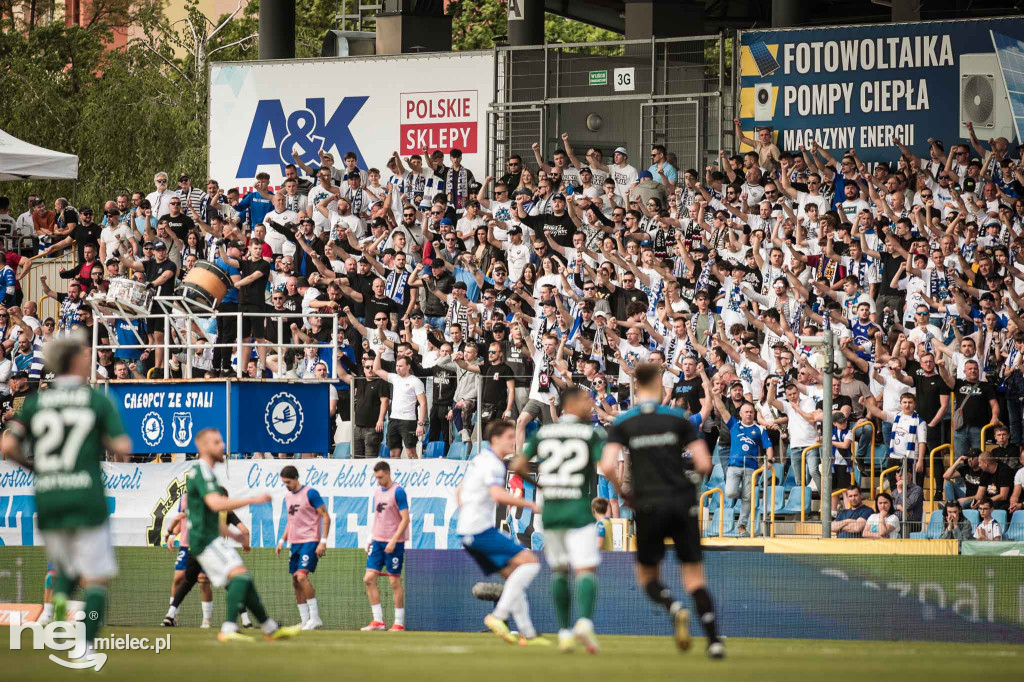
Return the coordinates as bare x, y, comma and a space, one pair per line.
261, 113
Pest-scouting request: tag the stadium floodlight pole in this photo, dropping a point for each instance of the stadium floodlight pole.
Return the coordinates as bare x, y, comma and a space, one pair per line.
827, 342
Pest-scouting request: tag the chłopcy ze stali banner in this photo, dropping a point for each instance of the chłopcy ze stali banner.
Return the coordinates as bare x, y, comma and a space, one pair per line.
861, 86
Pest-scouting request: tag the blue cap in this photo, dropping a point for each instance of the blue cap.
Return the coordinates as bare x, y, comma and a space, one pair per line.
446, 221
645, 175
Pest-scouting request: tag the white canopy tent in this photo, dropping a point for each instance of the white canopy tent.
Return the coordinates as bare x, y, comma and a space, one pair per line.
20, 160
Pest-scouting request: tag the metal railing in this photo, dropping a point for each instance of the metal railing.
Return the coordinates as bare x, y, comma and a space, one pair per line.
188, 341
753, 498
871, 453
803, 480
721, 511
931, 469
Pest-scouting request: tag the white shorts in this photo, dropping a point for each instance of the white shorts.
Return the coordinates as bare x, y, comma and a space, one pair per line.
84, 553
575, 548
218, 560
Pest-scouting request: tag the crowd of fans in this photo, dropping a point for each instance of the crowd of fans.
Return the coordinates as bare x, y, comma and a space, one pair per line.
458, 299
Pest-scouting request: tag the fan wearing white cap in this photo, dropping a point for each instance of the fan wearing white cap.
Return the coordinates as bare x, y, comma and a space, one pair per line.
623, 174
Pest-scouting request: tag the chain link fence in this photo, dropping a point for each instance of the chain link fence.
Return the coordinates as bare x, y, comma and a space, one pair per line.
676, 92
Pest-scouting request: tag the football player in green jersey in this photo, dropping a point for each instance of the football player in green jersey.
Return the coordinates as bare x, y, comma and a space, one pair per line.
61, 434
567, 453
208, 531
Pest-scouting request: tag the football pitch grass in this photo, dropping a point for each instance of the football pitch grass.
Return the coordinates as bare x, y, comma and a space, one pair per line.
460, 657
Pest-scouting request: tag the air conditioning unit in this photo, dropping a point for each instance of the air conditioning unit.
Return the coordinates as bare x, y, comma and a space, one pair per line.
983, 98
763, 102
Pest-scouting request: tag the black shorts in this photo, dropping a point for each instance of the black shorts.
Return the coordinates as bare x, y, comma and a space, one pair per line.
840, 477
401, 432
253, 327
664, 518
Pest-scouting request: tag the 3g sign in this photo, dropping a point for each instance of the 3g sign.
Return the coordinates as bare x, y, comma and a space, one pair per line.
625, 79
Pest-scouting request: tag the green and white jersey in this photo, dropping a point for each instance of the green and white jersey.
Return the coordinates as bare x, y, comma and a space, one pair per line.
203, 522
64, 429
567, 453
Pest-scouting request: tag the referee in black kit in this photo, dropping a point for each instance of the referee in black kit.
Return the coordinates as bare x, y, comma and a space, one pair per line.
665, 482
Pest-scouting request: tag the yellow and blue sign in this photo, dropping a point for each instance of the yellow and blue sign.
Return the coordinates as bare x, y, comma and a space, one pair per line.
865, 86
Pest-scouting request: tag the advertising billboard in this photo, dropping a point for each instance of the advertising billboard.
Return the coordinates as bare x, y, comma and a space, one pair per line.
262, 112
864, 86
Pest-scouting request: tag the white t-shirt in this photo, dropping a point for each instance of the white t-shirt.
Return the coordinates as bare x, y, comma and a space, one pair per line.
277, 241
518, 256
902, 441
479, 509
539, 363
631, 356
874, 521
802, 433
378, 347
624, 177
403, 396
991, 528
112, 237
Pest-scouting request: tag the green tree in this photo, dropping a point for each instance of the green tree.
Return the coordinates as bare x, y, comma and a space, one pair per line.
475, 24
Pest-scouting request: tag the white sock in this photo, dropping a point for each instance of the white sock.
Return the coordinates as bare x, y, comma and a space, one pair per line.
48, 610
269, 625
314, 609
207, 610
521, 612
378, 613
245, 619
563, 632
515, 586
304, 612
172, 611
400, 616
228, 627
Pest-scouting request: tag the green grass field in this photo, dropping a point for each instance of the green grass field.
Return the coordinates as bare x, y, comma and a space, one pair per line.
432, 656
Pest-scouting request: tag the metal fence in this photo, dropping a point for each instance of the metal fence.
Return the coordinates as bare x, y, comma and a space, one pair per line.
634, 93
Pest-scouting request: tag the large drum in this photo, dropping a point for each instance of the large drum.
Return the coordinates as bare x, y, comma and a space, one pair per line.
128, 294
204, 286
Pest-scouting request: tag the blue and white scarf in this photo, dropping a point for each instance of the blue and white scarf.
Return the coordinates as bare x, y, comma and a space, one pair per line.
394, 286
909, 449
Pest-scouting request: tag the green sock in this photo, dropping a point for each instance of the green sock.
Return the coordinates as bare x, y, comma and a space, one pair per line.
253, 603
64, 584
560, 593
237, 587
586, 594
63, 588
95, 608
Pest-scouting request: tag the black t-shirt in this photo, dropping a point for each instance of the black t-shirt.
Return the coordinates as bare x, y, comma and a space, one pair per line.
690, 391
256, 292
519, 361
974, 398
971, 478
495, 385
382, 304
369, 394
445, 382
621, 298
153, 270
180, 226
83, 235
561, 228
656, 437
928, 390
890, 264
1002, 477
